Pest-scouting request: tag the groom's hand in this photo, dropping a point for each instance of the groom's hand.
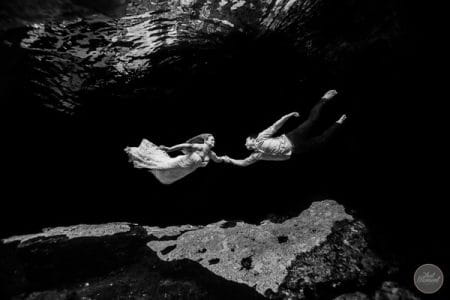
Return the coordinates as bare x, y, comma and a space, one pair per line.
293, 114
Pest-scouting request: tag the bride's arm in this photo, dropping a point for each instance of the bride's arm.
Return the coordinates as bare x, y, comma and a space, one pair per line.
215, 158
176, 147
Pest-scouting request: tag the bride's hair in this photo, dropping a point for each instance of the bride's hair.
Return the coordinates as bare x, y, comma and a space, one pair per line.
199, 139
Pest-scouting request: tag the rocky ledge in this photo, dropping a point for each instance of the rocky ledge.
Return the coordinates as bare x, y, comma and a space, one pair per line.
322, 253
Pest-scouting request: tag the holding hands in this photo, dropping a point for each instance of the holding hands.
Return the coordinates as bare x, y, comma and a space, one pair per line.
225, 159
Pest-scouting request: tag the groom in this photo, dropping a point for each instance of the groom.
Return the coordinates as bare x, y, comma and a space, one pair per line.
267, 147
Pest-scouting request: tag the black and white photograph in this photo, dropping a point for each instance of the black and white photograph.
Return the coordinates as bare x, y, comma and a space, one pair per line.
222, 149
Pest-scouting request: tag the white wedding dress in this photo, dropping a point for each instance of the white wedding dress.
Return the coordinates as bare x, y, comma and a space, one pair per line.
165, 168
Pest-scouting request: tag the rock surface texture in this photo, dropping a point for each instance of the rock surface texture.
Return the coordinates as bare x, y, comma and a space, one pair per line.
257, 255
321, 253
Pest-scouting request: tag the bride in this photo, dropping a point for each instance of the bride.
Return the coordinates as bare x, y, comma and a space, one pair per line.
196, 153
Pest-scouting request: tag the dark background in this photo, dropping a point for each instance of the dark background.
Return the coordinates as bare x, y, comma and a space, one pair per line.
387, 166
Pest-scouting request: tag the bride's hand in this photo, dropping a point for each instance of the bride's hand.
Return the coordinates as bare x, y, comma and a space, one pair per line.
225, 159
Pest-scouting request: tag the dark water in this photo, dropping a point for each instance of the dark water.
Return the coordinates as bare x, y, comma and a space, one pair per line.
75, 93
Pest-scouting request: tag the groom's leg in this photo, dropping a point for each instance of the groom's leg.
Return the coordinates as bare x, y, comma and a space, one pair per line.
299, 134
316, 112
327, 136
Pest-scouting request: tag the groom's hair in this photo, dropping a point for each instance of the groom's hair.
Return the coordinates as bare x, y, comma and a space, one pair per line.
252, 137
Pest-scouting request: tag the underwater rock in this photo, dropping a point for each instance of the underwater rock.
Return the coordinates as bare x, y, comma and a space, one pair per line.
323, 252
388, 291
257, 255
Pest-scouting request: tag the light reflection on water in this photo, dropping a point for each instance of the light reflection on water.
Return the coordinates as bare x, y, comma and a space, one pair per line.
86, 53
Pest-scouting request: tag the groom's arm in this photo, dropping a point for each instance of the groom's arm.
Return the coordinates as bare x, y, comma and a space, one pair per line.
254, 157
269, 132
